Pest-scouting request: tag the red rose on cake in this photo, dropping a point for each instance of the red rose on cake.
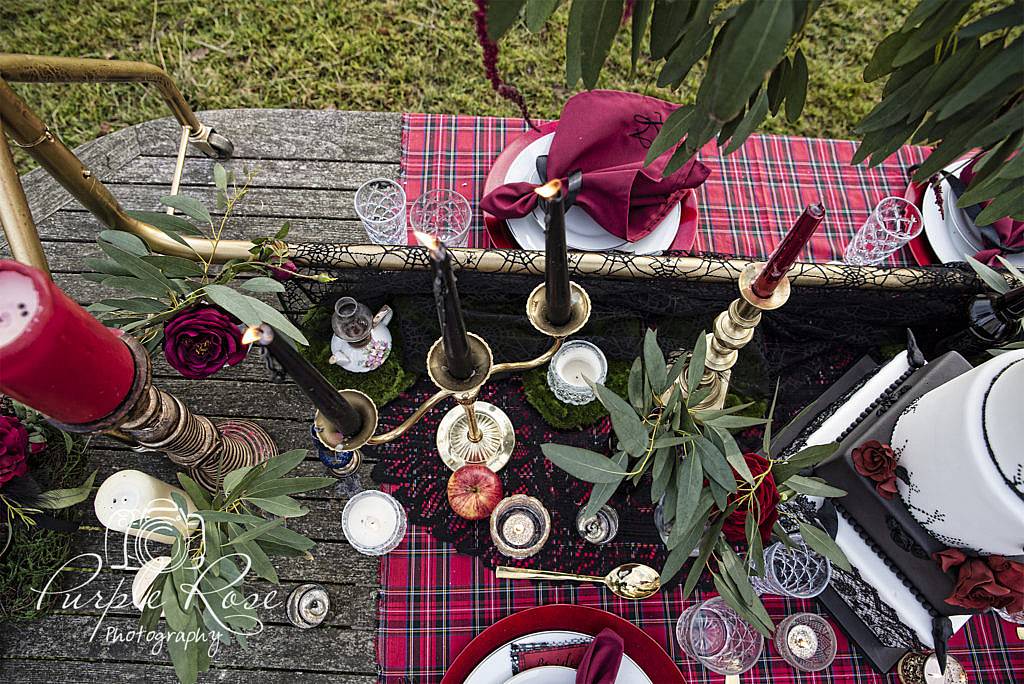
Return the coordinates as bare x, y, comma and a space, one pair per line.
877, 461
765, 501
982, 583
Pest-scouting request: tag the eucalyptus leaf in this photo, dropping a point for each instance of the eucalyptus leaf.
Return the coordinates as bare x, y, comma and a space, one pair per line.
735, 422
635, 384
281, 465
668, 24
538, 12
597, 32
168, 223
681, 553
137, 286
288, 486
672, 131
627, 424
235, 477
125, 241
501, 16
695, 369
174, 267
638, 27
654, 362
189, 206
754, 116
689, 483
796, 87
602, 492
707, 545
252, 311
715, 465
1004, 66
262, 284
142, 305
284, 506
220, 178
881, 60
777, 85
56, 499
818, 540
989, 275
813, 486
572, 44
685, 56
255, 532
586, 465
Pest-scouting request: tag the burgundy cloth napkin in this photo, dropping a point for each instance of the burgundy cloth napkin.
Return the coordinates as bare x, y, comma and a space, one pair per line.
605, 134
1003, 237
600, 664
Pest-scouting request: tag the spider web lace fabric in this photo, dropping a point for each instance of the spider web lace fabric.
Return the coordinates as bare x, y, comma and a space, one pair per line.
806, 345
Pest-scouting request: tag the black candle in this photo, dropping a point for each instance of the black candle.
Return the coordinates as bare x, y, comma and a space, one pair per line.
314, 385
556, 259
449, 309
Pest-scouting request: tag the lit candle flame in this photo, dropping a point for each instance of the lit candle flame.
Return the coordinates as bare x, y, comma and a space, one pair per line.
427, 240
550, 189
254, 333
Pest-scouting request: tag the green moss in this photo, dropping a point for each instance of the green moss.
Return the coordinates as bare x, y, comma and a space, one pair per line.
382, 385
36, 553
565, 416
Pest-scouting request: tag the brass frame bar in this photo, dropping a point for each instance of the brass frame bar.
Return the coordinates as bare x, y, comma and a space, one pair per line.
18, 68
15, 215
179, 164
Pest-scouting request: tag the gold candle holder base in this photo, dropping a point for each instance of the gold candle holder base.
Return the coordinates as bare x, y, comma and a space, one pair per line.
537, 311
495, 441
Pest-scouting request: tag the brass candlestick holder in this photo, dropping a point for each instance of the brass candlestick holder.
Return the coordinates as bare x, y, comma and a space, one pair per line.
733, 329
473, 431
153, 420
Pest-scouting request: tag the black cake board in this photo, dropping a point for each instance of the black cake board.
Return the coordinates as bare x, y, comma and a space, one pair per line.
878, 425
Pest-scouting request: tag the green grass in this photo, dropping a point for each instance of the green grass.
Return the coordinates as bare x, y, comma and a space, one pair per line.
386, 55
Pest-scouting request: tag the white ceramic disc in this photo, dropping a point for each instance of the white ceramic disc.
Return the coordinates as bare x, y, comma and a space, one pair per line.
545, 674
581, 231
496, 668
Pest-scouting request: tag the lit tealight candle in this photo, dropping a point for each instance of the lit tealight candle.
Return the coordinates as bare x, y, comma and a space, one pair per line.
573, 368
128, 496
373, 522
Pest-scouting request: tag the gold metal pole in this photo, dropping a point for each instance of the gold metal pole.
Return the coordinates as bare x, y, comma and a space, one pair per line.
30, 133
179, 165
15, 216
45, 69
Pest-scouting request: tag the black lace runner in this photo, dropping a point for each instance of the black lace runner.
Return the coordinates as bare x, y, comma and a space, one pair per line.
805, 346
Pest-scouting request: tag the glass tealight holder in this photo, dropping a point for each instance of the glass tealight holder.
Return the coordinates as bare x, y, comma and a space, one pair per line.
806, 641
380, 205
598, 529
572, 366
374, 522
520, 526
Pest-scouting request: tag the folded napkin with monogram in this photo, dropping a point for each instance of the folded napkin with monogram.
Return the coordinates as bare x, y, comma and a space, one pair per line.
1004, 237
605, 135
596, 661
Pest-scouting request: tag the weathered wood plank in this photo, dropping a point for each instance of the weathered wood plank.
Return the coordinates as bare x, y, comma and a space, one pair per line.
331, 562
269, 173
80, 226
52, 671
103, 156
88, 593
289, 134
324, 649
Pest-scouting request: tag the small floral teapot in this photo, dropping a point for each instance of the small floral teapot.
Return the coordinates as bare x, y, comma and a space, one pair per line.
361, 341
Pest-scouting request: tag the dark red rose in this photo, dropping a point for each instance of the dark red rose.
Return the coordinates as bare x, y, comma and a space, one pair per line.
1009, 574
284, 271
877, 461
949, 559
200, 341
977, 588
767, 501
13, 449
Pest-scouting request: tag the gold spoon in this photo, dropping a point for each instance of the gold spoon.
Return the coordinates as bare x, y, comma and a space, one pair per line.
629, 580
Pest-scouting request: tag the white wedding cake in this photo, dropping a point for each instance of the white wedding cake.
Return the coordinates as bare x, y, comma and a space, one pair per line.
962, 445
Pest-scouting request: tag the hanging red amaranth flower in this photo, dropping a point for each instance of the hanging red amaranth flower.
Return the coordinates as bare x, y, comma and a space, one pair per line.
490, 50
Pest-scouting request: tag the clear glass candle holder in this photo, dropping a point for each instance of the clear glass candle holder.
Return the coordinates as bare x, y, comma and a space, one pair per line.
570, 369
893, 223
716, 636
445, 214
796, 573
374, 522
806, 641
380, 205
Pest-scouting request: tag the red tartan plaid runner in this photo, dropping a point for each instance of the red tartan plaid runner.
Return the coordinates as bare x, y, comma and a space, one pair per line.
434, 601
749, 202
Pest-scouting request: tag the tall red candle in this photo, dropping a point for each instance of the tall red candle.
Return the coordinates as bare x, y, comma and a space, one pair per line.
786, 253
54, 356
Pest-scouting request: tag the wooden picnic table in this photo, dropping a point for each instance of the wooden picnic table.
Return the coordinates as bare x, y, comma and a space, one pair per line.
309, 165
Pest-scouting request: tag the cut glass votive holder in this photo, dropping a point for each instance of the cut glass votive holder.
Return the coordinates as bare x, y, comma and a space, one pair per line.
380, 205
444, 214
716, 636
374, 522
793, 572
572, 366
520, 526
806, 641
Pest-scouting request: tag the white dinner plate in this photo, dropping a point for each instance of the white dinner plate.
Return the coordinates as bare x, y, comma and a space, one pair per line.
945, 238
496, 668
581, 231
545, 674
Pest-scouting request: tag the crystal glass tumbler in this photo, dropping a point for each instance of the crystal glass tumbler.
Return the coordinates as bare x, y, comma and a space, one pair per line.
445, 214
892, 224
380, 205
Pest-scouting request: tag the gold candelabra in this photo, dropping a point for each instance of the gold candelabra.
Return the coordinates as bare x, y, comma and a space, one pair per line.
732, 330
473, 431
